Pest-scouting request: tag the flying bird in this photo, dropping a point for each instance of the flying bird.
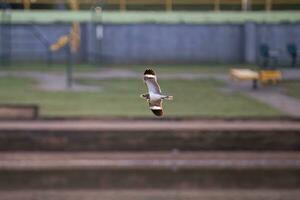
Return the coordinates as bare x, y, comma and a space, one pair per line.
154, 96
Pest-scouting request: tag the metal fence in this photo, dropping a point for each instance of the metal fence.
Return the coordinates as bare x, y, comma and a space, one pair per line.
164, 4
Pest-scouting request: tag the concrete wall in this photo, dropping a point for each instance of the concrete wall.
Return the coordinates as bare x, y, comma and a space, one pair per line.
157, 43
173, 43
277, 37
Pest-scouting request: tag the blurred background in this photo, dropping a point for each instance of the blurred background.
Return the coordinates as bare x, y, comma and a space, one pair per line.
72, 124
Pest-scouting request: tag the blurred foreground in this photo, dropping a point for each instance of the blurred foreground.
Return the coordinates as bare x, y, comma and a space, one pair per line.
149, 159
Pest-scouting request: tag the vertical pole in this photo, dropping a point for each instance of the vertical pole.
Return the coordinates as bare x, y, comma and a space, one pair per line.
169, 5
99, 35
6, 38
254, 84
26, 4
1, 38
217, 5
249, 5
122, 5
49, 57
245, 5
9, 39
69, 68
268, 5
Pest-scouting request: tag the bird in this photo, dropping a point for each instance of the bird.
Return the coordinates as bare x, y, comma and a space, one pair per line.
154, 96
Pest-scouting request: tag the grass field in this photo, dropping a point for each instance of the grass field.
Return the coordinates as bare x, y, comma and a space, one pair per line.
208, 69
292, 88
120, 97
155, 17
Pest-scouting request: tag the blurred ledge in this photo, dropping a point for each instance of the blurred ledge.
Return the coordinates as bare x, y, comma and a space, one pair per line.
172, 118
19, 111
145, 194
173, 160
149, 125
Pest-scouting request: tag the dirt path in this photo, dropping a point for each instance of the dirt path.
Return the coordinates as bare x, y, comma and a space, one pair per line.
50, 81
150, 160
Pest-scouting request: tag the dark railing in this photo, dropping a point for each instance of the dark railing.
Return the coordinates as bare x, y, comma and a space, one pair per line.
166, 4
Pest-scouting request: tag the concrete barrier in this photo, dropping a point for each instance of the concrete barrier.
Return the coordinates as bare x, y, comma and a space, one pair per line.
16, 111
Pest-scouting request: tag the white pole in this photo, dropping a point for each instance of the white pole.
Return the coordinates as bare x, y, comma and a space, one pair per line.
246, 5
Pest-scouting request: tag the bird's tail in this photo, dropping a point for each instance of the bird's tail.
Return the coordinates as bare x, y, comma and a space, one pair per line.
168, 97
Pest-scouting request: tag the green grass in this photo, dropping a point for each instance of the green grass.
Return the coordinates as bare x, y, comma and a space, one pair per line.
120, 97
47, 16
167, 69
292, 88
208, 69
38, 67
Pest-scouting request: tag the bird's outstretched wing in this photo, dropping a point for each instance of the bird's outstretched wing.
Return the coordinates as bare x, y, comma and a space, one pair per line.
156, 108
151, 81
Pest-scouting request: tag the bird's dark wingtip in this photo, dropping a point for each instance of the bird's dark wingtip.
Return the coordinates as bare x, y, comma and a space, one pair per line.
158, 113
149, 71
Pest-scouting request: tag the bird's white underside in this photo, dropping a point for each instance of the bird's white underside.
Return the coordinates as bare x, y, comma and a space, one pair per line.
150, 76
155, 97
155, 108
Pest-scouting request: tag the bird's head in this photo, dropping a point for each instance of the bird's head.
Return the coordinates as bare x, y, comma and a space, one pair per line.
145, 96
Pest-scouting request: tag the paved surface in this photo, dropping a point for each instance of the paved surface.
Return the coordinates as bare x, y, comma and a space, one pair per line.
50, 81
150, 160
270, 95
280, 101
188, 194
153, 125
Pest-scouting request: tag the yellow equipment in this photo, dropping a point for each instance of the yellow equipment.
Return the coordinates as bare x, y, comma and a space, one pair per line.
244, 75
62, 41
263, 76
267, 76
73, 38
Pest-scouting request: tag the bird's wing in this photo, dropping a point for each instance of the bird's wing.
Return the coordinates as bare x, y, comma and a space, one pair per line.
151, 81
156, 107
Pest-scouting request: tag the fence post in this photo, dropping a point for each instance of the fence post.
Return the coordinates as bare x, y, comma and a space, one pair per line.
122, 5
69, 69
26, 4
217, 5
5, 39
246, 5
268, 5
169, 5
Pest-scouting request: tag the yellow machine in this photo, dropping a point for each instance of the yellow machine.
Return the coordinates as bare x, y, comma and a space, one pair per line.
267, 76
73, 38
263, 76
